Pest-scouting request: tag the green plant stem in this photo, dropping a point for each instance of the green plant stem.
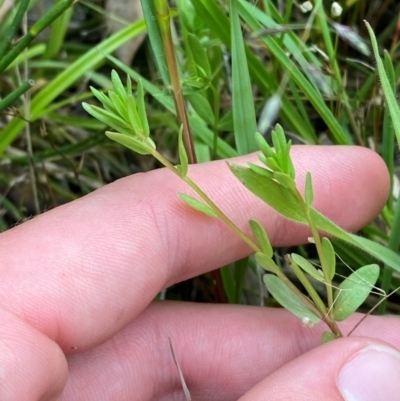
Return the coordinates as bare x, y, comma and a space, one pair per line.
164, 20
319, 310
5, 43
208, 201
314, 296
307, 285
14, 95
38, 27
318, 245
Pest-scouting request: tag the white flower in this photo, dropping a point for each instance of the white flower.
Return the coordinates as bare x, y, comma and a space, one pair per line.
336, 9
306, 7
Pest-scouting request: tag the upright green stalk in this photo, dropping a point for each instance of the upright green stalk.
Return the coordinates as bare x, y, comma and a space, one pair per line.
164, 20
16, 23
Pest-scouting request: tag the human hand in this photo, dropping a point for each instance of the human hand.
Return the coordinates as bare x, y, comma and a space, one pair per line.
77, 285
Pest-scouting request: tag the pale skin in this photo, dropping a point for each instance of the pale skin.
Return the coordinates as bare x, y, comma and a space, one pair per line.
77, 285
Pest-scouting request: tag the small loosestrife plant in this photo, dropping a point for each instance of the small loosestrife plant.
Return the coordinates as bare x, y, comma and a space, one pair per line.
274, 182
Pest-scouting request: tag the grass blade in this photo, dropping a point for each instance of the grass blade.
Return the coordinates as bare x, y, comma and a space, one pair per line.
244, 117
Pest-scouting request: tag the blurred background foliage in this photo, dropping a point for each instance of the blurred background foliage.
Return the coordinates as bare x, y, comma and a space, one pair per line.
310, 67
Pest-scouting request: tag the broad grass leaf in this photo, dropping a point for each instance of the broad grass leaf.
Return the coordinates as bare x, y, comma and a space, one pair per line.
353, 291
289, 300
262, 237
266, 262
196, 204
157, 46
330, 257
131, 143
244, 117
307, 266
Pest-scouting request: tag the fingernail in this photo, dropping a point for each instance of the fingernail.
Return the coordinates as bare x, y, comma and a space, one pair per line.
372, 374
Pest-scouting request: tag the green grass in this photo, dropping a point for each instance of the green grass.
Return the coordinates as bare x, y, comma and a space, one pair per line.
257, 65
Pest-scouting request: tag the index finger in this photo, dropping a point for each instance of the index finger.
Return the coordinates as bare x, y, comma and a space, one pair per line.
82, 271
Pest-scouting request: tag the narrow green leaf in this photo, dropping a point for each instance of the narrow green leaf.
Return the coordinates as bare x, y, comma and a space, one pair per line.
261, 170
241, 266
330, 257
284, 202
373, 248
182, 154
278, 197
388, 137
195, 204
262, 237
307, 267
108, 118
284, 179
157, 46
103, 99
119, 88
141, 109
201, 107
228, 282
289, 300
272, 163
129, 90
200, 130
131, 143
279, 140
309, 194
263, 146
199, 55
133, 115
353, 291
387, 88
266, 262
119, 105
244, 117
